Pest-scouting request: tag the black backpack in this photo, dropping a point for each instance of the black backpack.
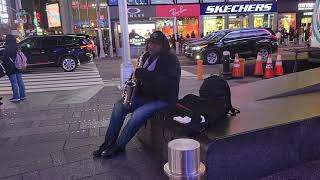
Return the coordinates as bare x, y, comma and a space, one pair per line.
194, 107
216, 89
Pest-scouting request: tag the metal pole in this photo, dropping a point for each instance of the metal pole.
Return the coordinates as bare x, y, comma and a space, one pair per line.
175, 33
110, 34
126, 66
18, 5
102, 54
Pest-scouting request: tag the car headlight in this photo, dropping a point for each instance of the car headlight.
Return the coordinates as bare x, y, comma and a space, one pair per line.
197, 48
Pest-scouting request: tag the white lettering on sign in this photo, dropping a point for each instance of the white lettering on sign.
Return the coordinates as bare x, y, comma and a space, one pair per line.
177, 12
218, 9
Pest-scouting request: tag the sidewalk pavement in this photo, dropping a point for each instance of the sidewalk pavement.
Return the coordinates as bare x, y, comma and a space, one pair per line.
55, 141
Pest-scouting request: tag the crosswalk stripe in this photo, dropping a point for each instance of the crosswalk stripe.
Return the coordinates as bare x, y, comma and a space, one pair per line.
44, 81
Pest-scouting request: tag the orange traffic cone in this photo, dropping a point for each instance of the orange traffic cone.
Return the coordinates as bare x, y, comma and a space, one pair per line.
278, 70
258, 71
236, 72
269, 68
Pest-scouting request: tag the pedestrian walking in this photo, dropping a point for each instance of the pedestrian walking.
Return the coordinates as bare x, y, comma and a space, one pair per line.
157, 80
14, 74
193, 35
279, 37
0, 101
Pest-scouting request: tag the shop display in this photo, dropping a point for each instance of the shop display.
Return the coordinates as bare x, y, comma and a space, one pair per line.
287, 21
213, 23
263, 20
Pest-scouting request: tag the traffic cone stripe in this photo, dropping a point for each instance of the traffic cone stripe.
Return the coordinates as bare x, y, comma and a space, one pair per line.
269, 69
258, 71
278, 70
236, 72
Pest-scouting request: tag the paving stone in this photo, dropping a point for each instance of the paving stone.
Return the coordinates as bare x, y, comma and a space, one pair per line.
41, 138
79, 134
38, 130
73, 143
53, 122
102, 131
74, 127
79, 153
70, 171
17, 125
35, 175
14, 167
58, 158
94, 132
93, 124
19, 177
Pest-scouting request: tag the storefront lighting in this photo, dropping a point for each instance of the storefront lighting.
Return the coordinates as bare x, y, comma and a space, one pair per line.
308, 13
305, 6
197, 56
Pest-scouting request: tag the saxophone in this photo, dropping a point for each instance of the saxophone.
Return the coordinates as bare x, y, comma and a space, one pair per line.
130, 87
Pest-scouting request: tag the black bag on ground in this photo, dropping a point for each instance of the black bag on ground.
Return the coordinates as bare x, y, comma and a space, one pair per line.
216, 89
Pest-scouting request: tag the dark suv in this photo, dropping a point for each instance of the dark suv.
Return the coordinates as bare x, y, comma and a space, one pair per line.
67, 51
247, 42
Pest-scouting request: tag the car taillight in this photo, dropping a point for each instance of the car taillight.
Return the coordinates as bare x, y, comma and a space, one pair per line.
85, 46
274, 38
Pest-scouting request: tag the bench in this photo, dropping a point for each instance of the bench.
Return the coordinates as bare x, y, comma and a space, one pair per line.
278, 128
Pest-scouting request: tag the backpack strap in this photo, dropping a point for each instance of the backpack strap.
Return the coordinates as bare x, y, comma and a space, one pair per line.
232, 111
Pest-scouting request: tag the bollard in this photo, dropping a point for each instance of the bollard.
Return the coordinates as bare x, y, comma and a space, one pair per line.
184, 160
200, 69
242, 66
226, 74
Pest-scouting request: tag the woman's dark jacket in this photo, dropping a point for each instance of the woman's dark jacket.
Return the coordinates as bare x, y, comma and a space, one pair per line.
163, 82
10, 51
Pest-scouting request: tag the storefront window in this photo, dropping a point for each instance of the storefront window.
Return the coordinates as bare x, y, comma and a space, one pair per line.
188, 27
212, 1
165, 25
263, 20
161, 1
287, 21
139, 33
212, 23
187, 1
238, 21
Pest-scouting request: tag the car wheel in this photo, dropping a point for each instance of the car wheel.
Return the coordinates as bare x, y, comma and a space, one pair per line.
69, 64
212, 57
264, 51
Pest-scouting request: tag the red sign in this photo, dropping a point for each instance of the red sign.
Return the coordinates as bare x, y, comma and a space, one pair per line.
182, 10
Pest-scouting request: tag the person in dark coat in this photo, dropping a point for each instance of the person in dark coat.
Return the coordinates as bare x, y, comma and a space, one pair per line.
15, 77
193, 35
157, 78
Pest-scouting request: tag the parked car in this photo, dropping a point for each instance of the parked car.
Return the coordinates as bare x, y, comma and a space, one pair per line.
246, 41
66, 51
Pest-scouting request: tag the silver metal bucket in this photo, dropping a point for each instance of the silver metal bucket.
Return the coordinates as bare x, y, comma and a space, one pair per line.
184, 160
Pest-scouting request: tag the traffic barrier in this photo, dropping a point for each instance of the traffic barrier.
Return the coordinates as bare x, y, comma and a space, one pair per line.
278, 70
258, 70
236, 72
200, 69
269, 68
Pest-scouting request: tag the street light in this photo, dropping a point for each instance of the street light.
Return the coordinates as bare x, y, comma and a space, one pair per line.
102, 54
126, 66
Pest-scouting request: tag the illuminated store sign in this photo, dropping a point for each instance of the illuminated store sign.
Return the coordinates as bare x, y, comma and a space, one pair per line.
208, 9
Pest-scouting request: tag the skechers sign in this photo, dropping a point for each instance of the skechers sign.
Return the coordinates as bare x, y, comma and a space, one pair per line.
207, 9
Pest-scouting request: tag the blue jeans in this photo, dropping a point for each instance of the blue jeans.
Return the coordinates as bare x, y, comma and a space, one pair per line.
141, 110
17, 85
